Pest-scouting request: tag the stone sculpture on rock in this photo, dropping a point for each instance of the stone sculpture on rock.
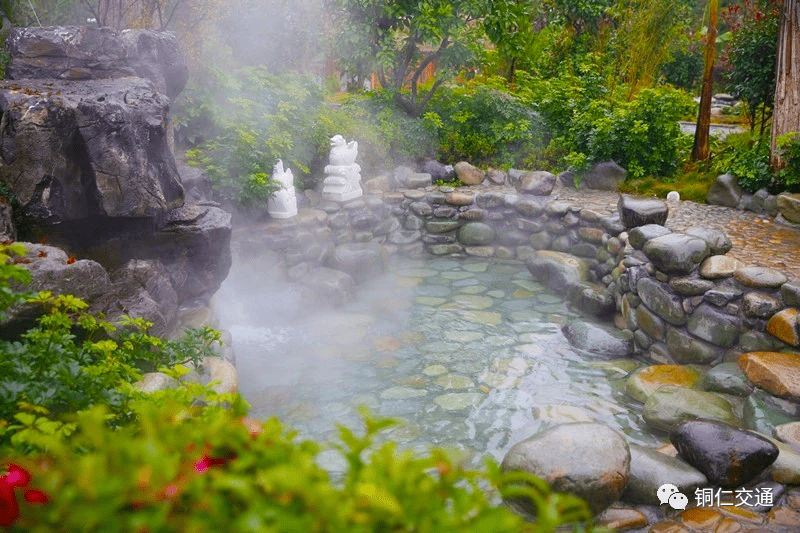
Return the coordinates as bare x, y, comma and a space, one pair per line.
283, 202
342, 174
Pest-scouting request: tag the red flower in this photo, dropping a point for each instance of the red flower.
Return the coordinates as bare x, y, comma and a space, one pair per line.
206, 462
36, 496
9, 508
17, 476
71, 260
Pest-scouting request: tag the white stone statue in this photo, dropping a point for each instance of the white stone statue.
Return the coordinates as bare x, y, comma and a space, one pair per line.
342, 174
283, 202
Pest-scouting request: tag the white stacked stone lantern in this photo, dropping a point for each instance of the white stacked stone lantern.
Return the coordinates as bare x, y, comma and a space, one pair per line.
342, 174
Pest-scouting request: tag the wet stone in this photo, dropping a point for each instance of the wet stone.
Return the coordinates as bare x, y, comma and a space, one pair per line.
646, 380
720, 266
529, 208
456, 401
785, 325
712, 325
789, 433
597, 339
402, 393
638, 236
757, 341
729, 457
688, 286
640, 212
671, 405
600, 480
557, 208
676, 253
441, 226
722, 296
649, 468
790, 293
760, 277
621, 519
454, 381
727, 378
685, 348
651, 324
762, 412
537, 183
445, 212
760, 305
775, 372
718, 242
660, 300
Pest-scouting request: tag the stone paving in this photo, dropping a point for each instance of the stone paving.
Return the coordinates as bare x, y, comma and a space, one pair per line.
757, 239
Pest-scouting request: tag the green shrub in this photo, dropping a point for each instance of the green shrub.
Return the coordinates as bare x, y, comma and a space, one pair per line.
237, 125
72, 360
184, 468
480, 122
788, 177
747, 158
642, 135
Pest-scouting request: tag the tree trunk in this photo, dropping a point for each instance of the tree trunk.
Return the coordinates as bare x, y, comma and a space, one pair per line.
786, 110
700, 147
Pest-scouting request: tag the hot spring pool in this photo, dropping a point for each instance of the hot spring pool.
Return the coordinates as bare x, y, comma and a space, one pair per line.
467, 353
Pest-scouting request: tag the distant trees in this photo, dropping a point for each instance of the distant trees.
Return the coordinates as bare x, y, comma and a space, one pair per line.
401, 41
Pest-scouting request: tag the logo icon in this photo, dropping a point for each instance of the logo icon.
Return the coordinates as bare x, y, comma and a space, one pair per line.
669, 493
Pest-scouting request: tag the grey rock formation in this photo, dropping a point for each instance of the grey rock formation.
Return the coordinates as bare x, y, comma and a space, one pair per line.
88, 52
70, 150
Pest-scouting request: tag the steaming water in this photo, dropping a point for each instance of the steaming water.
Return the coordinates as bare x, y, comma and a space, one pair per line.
463, 351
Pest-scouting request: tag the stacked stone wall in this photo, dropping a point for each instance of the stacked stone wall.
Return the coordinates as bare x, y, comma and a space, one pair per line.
678, 295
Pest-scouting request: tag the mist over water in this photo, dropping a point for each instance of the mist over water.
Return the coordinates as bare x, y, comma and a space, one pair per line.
463, 351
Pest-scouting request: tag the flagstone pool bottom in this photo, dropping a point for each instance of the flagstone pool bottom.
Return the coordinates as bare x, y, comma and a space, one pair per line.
467, 353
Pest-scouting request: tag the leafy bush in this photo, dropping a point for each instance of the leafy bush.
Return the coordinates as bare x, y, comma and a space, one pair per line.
238, 125
186, 468
72, 360
788, 177
747, 158
642, 135
481, 123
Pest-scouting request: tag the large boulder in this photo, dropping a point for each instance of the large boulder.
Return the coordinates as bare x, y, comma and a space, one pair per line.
589, 460
725, 191
789, 206
537, 183
635, 212
605, 176
597, 339
775, 372
89, 52
676, 253
671, 405
558, 270
650, 469
469, 174
729, 457
71, 151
